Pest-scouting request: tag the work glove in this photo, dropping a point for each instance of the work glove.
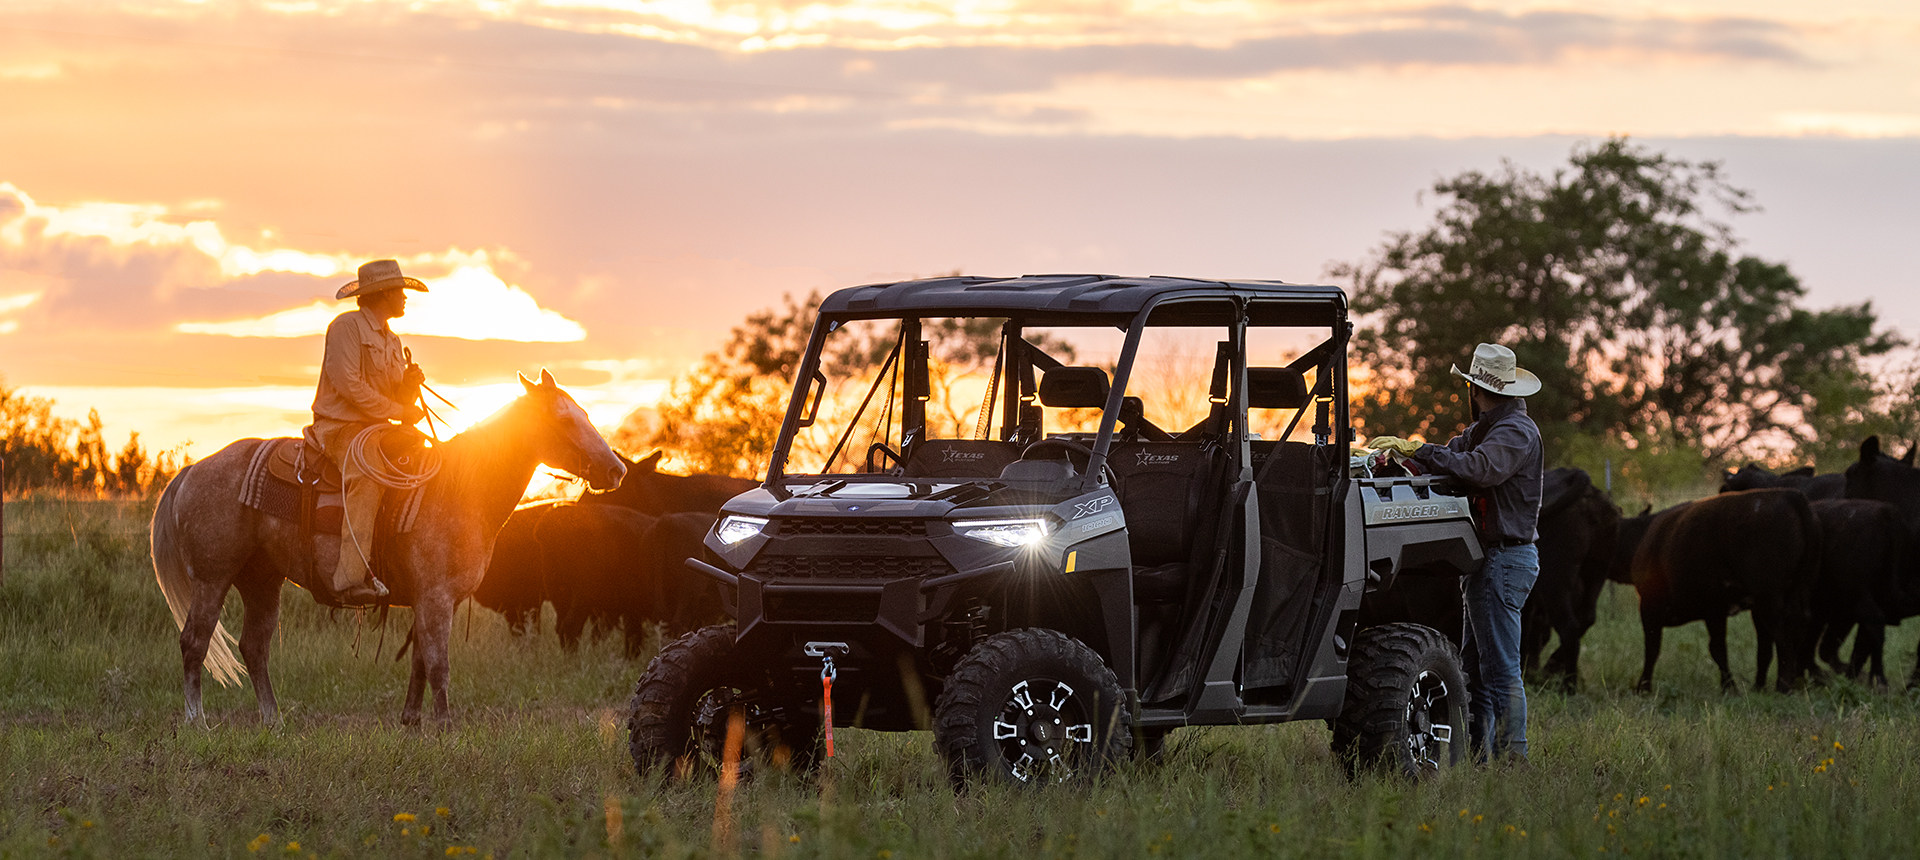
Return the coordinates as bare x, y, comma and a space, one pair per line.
411, 414
413, 376
1402, 447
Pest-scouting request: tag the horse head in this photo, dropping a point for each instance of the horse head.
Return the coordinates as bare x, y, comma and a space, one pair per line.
566, 439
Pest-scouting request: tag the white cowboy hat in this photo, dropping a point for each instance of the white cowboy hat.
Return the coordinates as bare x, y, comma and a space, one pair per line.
1495, 369
378, 277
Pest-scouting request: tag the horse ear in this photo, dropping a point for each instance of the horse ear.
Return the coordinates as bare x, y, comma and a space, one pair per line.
1908, 459
1870, 449
546, 379
1646, 510
523, 381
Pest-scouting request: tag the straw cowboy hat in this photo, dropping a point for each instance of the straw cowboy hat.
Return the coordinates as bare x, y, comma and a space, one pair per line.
1495, 369
378, 277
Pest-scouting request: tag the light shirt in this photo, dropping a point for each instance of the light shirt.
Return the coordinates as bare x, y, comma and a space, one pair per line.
360, 375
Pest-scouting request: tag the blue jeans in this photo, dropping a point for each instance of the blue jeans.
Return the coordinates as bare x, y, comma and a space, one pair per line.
1494, 598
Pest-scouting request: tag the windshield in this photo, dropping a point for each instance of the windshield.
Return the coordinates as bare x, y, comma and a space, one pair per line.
963, 397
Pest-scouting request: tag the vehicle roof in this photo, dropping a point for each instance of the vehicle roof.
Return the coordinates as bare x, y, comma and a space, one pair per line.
1060, 298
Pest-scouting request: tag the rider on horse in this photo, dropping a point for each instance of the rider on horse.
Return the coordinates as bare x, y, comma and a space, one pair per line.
366, 381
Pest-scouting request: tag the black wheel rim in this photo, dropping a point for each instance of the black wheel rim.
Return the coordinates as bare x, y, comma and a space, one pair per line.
1429, 732
1043, 730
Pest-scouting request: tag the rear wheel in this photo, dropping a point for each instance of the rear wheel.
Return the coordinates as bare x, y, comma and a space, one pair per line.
1030, 707
681, 710
1406, 707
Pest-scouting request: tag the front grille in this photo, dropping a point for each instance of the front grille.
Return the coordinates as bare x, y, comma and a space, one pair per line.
858, 607
853, 527
847, 567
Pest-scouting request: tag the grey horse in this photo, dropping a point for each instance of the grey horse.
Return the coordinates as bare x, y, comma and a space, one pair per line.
205, 542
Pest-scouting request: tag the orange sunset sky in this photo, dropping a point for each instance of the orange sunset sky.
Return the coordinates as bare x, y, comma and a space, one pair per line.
604, 187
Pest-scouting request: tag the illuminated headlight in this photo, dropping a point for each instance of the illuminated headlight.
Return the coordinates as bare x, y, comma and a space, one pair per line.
1010, 533
734, 529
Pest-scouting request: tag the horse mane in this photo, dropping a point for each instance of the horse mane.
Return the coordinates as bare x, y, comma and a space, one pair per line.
471, 461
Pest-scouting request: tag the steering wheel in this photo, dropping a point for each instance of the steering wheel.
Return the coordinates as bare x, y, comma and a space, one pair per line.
1070, 448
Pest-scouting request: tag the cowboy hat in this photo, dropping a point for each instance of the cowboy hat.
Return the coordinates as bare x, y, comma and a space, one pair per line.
376, 277
1495, 369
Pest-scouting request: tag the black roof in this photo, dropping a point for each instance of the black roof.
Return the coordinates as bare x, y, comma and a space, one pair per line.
1059, 298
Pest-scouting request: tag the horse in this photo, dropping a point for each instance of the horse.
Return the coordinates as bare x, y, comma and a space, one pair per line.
206, 542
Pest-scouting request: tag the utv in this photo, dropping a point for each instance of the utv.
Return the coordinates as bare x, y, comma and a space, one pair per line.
1052, 519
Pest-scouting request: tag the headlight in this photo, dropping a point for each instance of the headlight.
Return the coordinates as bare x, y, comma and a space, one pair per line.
1010, 533
734, 529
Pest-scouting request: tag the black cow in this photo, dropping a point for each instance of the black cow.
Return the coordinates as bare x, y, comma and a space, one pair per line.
597, 571
688, 600
1863, 578
651, 491
1752, 477
1707, 559
1881, 478
515, 582
1578, 526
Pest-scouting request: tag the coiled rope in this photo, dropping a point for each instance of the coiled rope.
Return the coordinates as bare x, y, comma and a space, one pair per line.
385, 472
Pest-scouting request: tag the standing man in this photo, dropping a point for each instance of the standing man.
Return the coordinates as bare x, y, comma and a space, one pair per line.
366, 381
1501, 457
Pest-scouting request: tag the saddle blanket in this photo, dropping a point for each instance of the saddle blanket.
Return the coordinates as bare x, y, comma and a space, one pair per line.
272, 486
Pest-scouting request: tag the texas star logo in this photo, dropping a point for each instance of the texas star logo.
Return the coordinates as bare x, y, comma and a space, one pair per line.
950, 454
1082, 509
1148, 458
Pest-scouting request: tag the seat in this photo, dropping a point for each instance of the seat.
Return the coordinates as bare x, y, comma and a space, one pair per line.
960, 458
1163, 489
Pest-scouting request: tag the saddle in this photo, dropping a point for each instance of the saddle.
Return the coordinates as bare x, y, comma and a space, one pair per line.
288, 480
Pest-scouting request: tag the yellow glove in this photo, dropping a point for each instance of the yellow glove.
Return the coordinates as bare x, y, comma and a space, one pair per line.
1402, 447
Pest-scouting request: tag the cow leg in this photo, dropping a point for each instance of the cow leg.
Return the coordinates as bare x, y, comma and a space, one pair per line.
1913, 683
1563, 668
1764, 648
1650, 634
1832, 633
1869, 650
1717, 648
570, 623
262, 599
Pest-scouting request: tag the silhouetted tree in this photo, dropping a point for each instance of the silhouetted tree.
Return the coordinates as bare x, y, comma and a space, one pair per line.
1614, 280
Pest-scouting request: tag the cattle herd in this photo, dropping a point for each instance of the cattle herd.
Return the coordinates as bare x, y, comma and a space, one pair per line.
611, 561
1812, 557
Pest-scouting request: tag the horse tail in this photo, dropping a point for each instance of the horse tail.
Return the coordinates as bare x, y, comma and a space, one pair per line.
175, 575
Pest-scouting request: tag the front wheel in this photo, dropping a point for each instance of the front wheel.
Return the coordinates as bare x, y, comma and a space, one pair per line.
1029, 707
1406, 707
687, 700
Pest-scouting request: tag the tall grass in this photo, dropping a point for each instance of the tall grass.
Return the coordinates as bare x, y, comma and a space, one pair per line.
96, 762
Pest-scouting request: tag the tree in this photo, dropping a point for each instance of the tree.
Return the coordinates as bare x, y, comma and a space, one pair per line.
42, 450
1616, 282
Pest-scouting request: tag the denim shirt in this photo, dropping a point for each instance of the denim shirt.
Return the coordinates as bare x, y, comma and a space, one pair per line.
1507, 461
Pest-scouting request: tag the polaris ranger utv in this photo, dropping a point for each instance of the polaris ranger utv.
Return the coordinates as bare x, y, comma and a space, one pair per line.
968, 526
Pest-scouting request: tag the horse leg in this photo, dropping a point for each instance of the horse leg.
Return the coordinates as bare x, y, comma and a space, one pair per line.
432, 631
416, 678
1717, 648
261, 596
196, 635
1650, 634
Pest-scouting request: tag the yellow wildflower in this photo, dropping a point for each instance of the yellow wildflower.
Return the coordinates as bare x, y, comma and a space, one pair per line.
259, 842
404, 816
1836, 745
1642, 801
442, 811
1425, 827
794, 839
884, 853
1273, 828
292, 848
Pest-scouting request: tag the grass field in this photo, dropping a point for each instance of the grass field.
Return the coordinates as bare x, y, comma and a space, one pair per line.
96, 762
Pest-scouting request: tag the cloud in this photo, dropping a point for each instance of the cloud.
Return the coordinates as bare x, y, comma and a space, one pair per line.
469, 303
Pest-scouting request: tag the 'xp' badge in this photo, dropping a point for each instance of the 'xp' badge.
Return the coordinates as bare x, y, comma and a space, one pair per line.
1084, 509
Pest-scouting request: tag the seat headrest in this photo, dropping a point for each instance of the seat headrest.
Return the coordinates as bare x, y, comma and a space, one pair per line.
1074, 387
1276, 388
